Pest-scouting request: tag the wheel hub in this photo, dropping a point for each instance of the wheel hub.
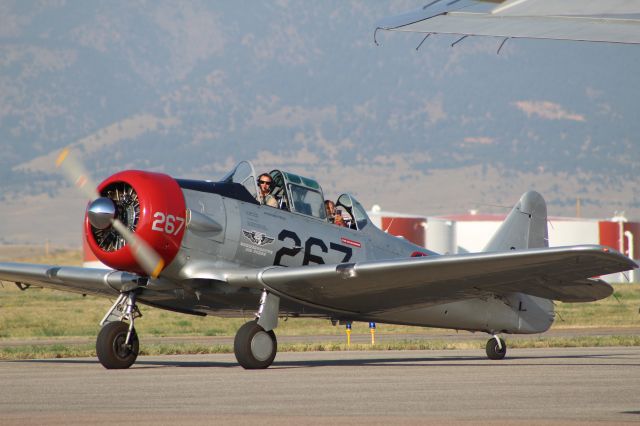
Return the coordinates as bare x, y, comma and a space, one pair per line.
261, 346
120, 348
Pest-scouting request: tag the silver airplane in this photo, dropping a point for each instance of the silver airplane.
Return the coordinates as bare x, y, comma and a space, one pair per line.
209, 248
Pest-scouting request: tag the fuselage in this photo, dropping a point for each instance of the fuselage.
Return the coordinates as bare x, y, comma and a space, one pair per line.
228, 232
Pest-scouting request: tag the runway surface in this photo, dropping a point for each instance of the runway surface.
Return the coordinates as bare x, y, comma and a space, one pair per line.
364, 338
541, 386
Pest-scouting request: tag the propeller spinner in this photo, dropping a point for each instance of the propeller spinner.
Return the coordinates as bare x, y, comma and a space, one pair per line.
101, 212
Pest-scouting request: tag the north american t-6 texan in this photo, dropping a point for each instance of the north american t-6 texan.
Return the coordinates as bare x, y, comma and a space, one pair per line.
210, 248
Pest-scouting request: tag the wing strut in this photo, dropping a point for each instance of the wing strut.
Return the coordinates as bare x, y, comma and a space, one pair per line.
459, 40
502, 44
423, 40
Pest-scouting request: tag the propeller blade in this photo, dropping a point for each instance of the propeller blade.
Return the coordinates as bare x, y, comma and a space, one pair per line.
150, 261
75, 172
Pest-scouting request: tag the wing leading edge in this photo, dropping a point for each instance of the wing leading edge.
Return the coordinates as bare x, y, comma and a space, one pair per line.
103, 282
554, 273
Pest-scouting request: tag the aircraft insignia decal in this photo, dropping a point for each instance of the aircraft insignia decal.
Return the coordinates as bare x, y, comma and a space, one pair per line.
258, 238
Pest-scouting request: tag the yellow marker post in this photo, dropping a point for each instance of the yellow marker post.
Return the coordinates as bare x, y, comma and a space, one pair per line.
372, 327
348, 333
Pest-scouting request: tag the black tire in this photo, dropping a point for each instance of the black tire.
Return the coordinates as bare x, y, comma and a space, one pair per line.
112, 353
493, 351
255, 348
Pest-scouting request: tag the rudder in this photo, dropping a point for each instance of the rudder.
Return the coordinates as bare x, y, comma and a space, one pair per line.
525, 227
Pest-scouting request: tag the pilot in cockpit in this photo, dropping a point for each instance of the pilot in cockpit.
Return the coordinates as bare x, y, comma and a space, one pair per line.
265, 184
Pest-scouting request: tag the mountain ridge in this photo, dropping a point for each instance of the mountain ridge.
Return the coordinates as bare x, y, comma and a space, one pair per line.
192, 89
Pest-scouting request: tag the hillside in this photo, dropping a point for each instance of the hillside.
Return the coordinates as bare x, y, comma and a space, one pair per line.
191, 90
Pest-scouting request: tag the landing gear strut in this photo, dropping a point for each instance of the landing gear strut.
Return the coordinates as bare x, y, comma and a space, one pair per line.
496, 348
117, 344
255, 344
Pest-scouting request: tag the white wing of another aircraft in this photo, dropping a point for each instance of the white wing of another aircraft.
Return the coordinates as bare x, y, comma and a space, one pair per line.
612, 21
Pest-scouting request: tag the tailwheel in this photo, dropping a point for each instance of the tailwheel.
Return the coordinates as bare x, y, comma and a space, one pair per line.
112, 347
496, 348
254, 347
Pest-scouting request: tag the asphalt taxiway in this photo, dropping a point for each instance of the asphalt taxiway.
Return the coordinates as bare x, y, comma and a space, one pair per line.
542, 386
427, 334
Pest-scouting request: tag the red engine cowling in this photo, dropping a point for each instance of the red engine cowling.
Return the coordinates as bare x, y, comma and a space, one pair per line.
152, 206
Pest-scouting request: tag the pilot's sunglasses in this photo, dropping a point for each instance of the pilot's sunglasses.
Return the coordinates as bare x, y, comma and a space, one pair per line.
263, 182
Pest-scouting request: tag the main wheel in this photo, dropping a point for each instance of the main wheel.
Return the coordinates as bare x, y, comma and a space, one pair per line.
110, 347
494, 351
254, 347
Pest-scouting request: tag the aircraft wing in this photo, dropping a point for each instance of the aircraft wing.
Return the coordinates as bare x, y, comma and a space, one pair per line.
554, 273
614, 21
102, 282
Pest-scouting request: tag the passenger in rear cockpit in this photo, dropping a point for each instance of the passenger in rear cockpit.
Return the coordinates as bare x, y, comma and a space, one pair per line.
265, 185
333, 216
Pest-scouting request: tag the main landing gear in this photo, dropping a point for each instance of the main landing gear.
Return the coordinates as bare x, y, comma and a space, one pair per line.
255, 344
117, 344
496, 348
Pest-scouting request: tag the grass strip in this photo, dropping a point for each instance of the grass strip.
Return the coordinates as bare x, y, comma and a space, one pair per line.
86, 350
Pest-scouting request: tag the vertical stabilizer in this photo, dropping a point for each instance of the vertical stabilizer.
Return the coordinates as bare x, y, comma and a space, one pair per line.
525, 227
